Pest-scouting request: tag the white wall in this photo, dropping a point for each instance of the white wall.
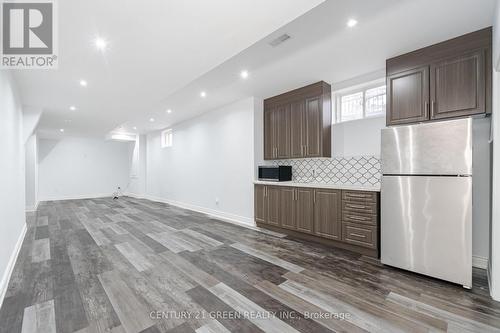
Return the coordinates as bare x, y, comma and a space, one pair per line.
212, 158
357, 138
12, 201
82, 167
495, 224
31, 166
137, 185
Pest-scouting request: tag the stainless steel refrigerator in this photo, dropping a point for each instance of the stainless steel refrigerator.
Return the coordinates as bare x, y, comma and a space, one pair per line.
426, 199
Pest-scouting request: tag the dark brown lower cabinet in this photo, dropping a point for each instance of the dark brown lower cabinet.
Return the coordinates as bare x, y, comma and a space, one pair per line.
327, 213
273, 205
260, 204
345, 219
287, 208
304, 208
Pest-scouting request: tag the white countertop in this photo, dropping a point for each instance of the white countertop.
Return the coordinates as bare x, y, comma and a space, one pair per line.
320, 185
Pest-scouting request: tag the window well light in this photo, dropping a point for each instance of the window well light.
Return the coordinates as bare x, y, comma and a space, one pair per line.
351, 23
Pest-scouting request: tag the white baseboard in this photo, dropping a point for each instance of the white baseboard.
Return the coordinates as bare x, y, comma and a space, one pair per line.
4, 284
479, 262
228, 217
133, 195
31, 209
78, 197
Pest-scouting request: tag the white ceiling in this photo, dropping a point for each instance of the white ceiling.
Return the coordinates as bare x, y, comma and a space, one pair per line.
155, 48
134, 81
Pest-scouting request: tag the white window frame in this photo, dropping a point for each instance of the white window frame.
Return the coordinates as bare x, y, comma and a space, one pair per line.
363, 87
167, 138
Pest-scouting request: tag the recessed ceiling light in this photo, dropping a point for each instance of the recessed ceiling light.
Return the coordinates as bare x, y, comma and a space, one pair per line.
203, 94
351, 23
169, 111
244, 74
61, 130
134, 128
152, 120
83, 83
67, 121
100, 43
72, 108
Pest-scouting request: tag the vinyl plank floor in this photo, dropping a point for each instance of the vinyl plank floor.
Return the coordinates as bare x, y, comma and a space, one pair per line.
103, 265
39, 318
41, 250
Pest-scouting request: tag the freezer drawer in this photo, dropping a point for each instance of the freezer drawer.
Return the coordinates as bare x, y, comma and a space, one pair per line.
426, 226
439, 148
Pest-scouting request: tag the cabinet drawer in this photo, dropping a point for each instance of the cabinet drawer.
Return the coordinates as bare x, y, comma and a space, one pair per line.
359, 196
359, 207
354, 217
362, 236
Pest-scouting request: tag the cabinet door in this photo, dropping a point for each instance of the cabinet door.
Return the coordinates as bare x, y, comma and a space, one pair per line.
304, 209
328, 213
269, 135
282, 129
259, 203
297, 129
273, 205
313, 130
287, 211
408, 96
458, 86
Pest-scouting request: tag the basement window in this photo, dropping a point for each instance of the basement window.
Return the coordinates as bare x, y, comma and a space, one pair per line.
363, 101
167, 138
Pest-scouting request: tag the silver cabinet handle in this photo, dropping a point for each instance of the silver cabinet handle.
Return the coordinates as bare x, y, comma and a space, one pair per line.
358, 235
359, 218
352, 195
356, 206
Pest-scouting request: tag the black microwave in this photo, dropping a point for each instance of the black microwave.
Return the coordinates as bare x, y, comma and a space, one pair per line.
280, 173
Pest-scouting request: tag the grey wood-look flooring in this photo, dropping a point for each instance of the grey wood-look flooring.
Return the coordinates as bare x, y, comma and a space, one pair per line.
129, 265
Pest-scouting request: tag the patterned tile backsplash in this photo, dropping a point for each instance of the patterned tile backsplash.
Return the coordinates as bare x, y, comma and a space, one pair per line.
362, 170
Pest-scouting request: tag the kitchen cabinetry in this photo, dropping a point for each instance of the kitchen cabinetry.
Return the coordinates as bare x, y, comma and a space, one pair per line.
346, 219
266, 204
359, 218
446, 80
327, 213
298, 123
304, 206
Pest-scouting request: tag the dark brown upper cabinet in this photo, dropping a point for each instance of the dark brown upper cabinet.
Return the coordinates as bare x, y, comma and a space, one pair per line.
297, 124
408, 96
297, 129
446, 80
458, 86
